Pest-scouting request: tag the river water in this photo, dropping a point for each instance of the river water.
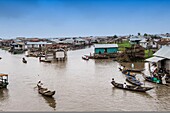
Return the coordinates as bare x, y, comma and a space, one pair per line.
80, 86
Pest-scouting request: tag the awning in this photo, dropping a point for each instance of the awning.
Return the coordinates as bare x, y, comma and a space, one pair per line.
154, 59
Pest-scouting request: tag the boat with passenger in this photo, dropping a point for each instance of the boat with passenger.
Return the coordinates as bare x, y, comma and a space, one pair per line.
44, 91
130, 87
3, 80
24, 61
85, 57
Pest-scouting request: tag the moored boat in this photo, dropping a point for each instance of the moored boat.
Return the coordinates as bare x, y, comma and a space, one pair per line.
130, 87
133, 80
3, 80
85, 57
45, 91
135, 70
127, 72
23, 60
47, 61
151, 79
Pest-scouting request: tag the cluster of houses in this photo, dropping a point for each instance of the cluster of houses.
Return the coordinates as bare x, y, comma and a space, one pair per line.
54, 48
151, 41
159, 44
104, 45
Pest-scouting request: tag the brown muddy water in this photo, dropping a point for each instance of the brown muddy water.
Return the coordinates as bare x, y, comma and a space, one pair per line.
80, 86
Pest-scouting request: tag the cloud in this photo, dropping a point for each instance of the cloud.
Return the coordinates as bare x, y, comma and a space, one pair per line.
17, 8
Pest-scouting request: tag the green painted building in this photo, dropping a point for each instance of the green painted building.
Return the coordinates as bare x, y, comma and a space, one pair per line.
105, 48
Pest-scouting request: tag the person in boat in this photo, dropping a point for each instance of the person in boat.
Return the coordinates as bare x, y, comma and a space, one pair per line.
121, 67
124, 85
40, 84
23, 59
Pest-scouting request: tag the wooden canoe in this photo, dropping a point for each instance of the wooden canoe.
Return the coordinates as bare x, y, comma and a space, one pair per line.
130, 87
45, 91
85, 58
133, 81
135, 70
127, 72
47, 61
24, 61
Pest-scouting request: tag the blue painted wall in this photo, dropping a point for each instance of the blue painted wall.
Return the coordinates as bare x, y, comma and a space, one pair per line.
109, 50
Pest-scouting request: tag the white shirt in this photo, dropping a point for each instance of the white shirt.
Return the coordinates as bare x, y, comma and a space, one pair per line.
121, 67
163, 79
152, 69
124, 86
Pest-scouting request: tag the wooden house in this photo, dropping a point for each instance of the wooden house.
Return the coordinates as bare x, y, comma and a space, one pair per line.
105, 48
162, 58
55, 54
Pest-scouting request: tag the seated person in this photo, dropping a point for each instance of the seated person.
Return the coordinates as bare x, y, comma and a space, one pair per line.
124, 85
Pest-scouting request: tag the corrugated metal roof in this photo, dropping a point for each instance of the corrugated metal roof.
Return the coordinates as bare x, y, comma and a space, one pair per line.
134, 39
163, 52
105, 45
143, 40
37, 43
154, 59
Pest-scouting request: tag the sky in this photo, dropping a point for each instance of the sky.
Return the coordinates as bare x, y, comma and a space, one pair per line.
69, 18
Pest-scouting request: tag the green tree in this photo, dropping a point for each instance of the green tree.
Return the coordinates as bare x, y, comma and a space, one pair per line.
115, 36
145, 34
139, 34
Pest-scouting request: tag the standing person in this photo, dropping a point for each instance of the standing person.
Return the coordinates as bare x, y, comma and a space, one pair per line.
132, 65
164, 79
152, 70
155, 73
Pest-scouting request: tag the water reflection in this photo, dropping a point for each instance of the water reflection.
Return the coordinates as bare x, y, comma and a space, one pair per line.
4, 94
51, 101
60, 64
161, 95
84, 84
